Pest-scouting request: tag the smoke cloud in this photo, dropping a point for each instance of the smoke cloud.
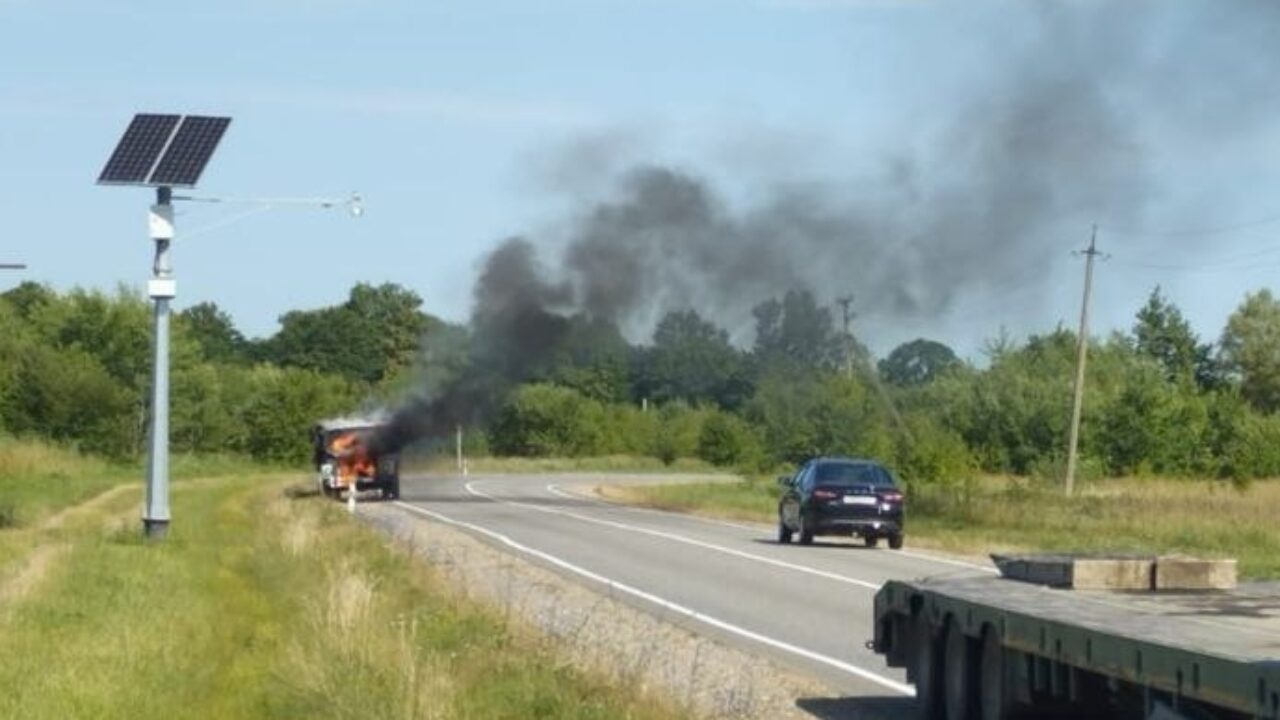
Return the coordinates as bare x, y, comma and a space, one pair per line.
1056, 133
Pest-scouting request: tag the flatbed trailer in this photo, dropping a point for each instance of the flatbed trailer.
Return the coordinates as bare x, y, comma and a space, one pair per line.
990, 647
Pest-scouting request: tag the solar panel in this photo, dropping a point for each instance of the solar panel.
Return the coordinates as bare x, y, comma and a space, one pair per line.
139, 149
189, 151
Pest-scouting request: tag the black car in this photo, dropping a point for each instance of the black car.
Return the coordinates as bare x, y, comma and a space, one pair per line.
841, 496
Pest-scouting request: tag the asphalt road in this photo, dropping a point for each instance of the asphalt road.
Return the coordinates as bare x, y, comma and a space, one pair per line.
810, 608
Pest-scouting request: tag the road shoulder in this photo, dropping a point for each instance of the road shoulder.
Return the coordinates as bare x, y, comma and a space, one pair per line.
656, 652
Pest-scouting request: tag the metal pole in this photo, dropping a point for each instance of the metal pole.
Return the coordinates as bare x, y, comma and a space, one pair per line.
458, 446
1082, 346
155, 513
847, 317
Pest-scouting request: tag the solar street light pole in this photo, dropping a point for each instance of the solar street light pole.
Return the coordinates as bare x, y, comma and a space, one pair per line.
162, 288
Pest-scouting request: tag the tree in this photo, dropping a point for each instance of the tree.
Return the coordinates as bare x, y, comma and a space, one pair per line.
1250, 349
284, 404
395, 314
796, 330
727, 440
691, 360
548, 421
592, 358
370, 337
66, 395
215, 332
918, 362
29, 296
1162, 333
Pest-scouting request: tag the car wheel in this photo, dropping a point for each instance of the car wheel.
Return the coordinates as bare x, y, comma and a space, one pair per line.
895, 541
870, 540
784, 533
806, 532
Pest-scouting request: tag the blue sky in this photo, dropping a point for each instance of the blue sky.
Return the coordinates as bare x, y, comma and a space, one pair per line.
454, 121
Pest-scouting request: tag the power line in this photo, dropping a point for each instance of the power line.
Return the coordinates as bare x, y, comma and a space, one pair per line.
1194, 232
1244, 261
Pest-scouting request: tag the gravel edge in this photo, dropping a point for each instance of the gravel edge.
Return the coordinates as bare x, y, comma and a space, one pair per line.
657, 653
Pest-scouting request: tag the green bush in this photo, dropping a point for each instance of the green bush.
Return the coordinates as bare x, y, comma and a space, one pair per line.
728, 441
548, 421
929, 456
66, 395
1255, 450
282, 407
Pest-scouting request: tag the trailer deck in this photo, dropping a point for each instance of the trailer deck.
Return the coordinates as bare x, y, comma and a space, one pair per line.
1241, 624
1220, 648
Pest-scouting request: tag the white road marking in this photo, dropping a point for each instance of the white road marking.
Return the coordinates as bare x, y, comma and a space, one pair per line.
881, 680
682, 539
570, 495
555, 489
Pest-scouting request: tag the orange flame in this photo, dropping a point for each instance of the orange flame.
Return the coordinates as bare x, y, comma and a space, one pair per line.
353, 459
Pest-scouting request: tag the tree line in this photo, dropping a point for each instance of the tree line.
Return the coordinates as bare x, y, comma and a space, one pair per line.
74, 367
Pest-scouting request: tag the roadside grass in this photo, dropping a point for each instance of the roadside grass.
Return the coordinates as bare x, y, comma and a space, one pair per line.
637, 464
1209, 518
266, 604
38, 478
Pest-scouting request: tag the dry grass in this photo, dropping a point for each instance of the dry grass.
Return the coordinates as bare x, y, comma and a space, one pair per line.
30, 575
260, 605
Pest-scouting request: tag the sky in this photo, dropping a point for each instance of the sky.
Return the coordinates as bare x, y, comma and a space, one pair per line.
461, 124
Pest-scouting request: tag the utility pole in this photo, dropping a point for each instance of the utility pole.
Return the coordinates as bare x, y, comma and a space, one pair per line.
458, 447
1082, 345
162, 288
847, 316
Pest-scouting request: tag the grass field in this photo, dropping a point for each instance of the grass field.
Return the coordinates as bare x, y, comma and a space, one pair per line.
38, 479
261, 604
1140, 515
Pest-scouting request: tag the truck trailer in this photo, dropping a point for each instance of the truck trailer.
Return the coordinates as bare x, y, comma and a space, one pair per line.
1078, 637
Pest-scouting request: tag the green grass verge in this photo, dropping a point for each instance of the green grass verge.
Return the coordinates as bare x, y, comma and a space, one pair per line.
265, 606
1133, 515
37, 479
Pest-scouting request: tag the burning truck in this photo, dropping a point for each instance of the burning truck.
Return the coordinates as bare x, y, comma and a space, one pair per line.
345, 461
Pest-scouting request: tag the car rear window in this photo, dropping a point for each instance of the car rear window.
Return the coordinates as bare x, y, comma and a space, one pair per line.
853, 474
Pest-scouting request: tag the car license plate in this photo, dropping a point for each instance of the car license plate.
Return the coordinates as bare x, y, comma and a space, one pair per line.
859, 499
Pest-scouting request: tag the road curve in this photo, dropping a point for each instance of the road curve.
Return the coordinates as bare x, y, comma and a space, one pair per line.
808, 608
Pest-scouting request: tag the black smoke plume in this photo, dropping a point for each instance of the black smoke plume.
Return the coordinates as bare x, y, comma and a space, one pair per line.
1056, 134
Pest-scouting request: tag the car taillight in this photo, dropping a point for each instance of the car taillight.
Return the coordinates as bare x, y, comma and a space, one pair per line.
891, 497
825, 494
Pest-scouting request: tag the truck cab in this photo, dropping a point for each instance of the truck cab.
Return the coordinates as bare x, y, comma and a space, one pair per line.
344, 461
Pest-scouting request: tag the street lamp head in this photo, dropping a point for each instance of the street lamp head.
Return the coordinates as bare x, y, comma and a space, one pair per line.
355, 205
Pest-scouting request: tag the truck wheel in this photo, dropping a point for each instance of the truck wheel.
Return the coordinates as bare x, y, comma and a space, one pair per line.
870, 540
958, 695
391, 490
924, 668
784, 533
994, 696
895, 541
806, 532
